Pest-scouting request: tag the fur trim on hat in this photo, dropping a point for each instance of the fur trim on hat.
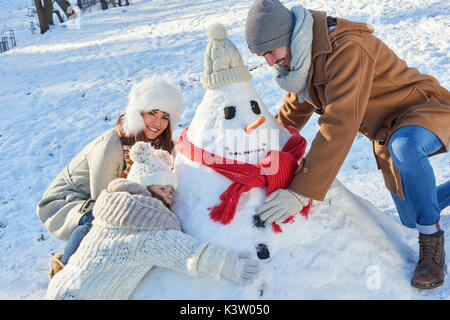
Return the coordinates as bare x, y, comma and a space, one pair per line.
152, 93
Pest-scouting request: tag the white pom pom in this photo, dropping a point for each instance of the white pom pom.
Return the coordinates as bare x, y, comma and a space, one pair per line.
140, 151
216, 31
165, 157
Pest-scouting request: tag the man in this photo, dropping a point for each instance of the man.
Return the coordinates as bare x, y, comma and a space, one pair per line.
338, 69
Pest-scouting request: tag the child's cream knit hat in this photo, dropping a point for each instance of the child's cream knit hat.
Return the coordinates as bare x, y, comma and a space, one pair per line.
151, 166
223, 62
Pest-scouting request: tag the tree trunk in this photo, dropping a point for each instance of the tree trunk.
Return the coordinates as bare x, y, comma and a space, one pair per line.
43, 23
104, 4
66, 7
79, 4
48, 9
61, 20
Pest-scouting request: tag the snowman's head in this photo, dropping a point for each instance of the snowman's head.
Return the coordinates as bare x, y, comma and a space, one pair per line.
232, 121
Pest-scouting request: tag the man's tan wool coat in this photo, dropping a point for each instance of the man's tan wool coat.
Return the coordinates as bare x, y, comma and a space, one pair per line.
361, 86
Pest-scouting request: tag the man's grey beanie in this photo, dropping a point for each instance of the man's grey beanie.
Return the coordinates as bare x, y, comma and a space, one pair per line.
269, 26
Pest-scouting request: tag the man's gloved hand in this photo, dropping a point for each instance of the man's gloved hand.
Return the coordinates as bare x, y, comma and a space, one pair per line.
240, 268
280, 205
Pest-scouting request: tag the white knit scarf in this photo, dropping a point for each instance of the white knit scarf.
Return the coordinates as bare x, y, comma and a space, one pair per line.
127, 204
296, 80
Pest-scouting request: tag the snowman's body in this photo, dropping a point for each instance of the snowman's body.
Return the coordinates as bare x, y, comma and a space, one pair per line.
345, 249
338, 248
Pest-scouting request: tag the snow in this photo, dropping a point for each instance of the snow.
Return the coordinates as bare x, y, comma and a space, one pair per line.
62, 89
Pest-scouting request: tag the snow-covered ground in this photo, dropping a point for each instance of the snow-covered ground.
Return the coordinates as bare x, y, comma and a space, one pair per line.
60, 90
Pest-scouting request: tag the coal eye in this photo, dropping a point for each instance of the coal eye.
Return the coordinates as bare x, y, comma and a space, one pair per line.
229, 112
255, 107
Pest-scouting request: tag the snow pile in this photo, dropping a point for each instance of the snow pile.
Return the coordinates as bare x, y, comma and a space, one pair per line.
347, 249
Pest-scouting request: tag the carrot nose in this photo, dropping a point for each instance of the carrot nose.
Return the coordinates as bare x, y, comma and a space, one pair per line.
255, 124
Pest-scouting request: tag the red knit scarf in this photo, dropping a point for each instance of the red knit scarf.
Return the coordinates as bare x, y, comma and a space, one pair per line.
246, 176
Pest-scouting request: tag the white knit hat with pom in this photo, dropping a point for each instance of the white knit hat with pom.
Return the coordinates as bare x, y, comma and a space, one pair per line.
223, 62
155, 92
151, 166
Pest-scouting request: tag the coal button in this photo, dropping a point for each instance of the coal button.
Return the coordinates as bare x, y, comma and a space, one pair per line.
262, 252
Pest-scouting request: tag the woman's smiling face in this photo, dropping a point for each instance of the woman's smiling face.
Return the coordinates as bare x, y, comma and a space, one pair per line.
155, 123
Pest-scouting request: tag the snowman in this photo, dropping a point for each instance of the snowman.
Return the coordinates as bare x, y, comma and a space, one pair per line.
231, 157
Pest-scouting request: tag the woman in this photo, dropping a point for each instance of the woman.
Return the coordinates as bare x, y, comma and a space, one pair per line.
134, 230
153, 109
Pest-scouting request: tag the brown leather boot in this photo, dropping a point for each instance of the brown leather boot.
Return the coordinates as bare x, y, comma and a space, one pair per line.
429, 271
55, 264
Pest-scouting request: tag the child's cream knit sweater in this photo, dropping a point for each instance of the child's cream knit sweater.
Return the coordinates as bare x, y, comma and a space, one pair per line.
131, 232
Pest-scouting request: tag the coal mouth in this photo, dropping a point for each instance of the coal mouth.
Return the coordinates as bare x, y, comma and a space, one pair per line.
247, 152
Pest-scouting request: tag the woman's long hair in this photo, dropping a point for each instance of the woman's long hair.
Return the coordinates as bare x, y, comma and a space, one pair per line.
165, 138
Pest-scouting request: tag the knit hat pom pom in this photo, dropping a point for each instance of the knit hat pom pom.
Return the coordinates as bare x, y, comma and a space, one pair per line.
216, 31
140, 152
165, 157
143, 151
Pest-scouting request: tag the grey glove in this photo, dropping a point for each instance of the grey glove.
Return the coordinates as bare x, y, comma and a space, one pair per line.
240, 268
280, 205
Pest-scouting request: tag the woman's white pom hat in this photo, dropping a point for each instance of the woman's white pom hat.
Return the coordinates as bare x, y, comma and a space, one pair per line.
223, 62
151, 166
152, 93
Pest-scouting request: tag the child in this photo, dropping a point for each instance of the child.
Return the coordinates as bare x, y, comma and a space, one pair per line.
133, 231
153, 109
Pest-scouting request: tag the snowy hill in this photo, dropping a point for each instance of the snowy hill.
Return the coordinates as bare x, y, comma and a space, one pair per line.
60, 90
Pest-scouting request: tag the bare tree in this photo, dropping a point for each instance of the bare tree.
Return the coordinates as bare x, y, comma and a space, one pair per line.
104, 4
48, 9
42, 16
67, 8
44, 9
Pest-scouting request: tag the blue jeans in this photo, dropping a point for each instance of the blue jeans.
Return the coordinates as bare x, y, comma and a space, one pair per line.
77, 235
409, 147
